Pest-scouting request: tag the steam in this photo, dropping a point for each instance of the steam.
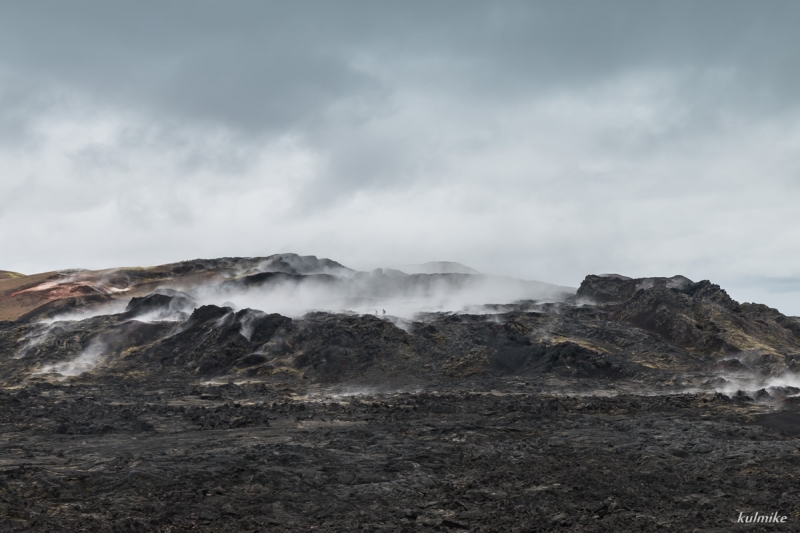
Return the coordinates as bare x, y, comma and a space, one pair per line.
383, 292
248, 324
87, 360
106, 309
294, 285
783, 383
38, 334
765, 375
180, 307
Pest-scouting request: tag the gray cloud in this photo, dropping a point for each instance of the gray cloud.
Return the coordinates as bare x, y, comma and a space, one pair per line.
543, 140
272, 65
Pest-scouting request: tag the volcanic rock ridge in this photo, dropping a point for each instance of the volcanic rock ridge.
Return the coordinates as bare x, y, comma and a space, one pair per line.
170, 321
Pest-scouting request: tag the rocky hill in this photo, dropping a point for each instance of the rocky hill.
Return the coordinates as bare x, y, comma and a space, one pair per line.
154, 322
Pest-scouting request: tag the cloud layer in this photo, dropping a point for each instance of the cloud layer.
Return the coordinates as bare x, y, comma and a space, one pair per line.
540, 140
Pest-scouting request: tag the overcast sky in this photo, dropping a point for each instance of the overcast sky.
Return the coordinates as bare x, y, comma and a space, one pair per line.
543, 140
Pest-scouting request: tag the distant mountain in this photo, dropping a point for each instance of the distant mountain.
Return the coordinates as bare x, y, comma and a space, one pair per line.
296, 264
438, 267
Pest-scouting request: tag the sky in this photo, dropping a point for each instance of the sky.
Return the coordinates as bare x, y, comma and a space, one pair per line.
540, 140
